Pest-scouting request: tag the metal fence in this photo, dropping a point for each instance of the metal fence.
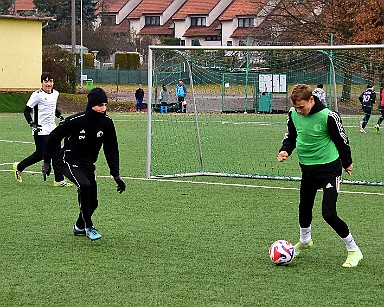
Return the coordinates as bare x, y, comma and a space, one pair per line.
117, 76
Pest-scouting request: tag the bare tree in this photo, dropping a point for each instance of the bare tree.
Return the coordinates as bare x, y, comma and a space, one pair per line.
311, 22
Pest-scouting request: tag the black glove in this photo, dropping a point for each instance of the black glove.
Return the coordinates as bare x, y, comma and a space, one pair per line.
46, 170
35, 127
120, 184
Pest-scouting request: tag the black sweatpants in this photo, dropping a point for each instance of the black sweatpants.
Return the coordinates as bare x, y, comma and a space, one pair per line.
37, 156
308, 190
85, 180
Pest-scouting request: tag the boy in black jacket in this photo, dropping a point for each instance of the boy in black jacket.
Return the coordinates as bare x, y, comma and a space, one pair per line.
84, 133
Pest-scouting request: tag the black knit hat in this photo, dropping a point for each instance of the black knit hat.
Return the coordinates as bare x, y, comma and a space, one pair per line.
96, 96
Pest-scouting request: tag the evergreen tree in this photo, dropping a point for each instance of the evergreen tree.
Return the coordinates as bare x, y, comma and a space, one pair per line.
61, 10
5, 6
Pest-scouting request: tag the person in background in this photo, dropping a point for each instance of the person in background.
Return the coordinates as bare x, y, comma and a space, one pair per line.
323, 151
43, 105
139, 96
376, 128
181, 92
84, 134
164, 97
367, 99
319, 92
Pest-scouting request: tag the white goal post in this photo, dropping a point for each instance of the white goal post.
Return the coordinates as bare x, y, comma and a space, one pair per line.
228, 110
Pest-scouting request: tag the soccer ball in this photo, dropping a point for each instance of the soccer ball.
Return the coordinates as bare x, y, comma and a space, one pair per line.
281, 252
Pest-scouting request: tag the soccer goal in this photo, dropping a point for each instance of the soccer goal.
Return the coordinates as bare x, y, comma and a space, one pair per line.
237, 102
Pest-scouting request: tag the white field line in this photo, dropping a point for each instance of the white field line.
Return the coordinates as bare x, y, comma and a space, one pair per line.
22, 142
212, 183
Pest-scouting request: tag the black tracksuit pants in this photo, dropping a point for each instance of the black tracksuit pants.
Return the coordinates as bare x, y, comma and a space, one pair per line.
37, 156
85, 180
310, 183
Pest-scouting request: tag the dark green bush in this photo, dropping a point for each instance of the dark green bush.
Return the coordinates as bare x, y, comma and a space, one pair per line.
88, 59
127, 60
170, 41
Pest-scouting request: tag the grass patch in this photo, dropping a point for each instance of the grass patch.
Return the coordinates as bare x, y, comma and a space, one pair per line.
13, 102
175, 243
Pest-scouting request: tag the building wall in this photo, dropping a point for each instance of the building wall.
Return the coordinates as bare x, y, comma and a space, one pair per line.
226, 30
20, 53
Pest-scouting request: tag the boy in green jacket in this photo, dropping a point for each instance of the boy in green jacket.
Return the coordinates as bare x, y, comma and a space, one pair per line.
323, 151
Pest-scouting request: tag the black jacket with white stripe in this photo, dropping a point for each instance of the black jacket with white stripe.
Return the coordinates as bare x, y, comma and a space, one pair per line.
84, 133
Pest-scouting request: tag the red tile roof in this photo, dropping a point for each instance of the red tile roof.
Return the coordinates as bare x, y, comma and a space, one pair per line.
242, 32
122, 27
150, 7
158, 30
204, 31
25, 5
195, 7
111, 6
242, 8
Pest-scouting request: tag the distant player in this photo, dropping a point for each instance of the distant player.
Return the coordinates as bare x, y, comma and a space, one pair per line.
139, 96
323, 151
319, 92
181, 92
42, 104
367, 99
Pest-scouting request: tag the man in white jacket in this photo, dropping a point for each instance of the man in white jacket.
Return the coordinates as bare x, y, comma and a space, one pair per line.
43, 105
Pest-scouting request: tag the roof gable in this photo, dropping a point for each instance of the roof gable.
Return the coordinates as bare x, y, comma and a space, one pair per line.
243, 8
195, 7
24, 5
112, 6
150, 7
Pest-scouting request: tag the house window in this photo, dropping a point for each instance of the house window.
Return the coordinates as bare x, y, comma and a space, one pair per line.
152, 20
108, 19
198, 21
246, 22
229, 43
212, 38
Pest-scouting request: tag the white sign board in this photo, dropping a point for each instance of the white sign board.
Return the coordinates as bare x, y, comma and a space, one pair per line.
276, 83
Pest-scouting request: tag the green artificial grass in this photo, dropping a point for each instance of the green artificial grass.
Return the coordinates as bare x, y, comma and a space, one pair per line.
175, 243
13, 102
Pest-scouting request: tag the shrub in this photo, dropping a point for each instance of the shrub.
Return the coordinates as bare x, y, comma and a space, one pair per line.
88, 59
170, 41
127, 60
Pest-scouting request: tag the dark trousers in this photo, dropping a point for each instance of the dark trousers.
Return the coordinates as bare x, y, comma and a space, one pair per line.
37, 156
308, 190
139, 104
381, 118
367, 111
85, 181
180, 101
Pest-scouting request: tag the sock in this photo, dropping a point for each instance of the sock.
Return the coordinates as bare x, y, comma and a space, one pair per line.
305, 235
77, 228
350, 243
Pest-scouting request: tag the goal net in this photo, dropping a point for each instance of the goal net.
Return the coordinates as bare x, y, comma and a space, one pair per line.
233, 117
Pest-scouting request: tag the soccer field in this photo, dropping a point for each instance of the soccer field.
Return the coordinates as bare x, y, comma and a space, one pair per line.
200, 241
